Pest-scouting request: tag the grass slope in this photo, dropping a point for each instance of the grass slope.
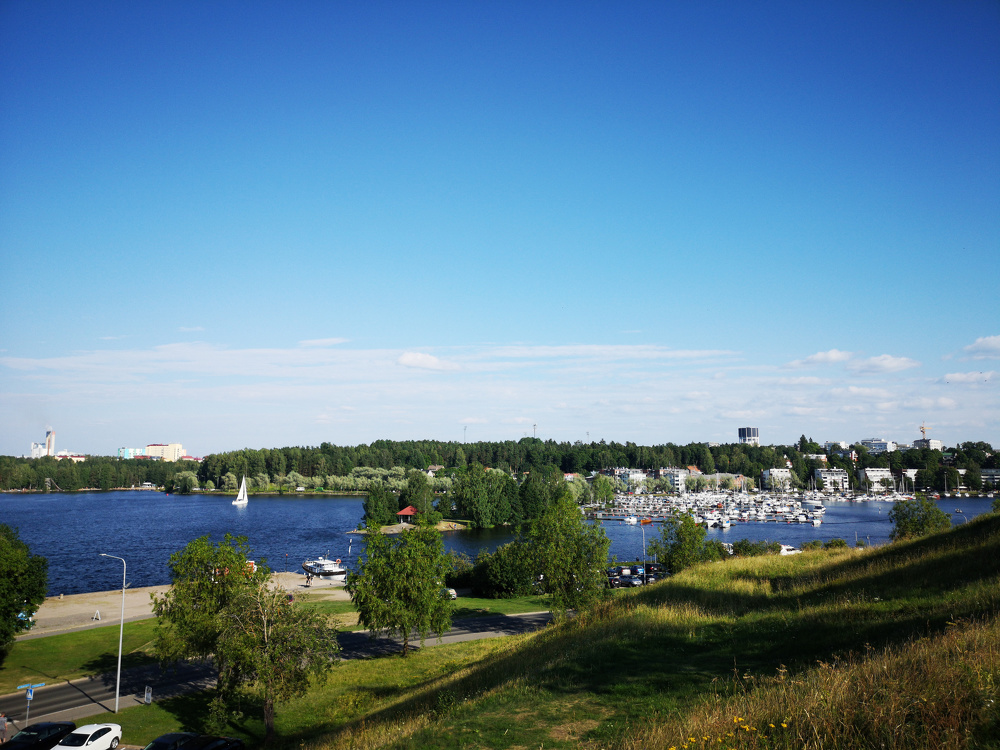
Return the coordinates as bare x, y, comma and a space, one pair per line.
893, 647
890, 647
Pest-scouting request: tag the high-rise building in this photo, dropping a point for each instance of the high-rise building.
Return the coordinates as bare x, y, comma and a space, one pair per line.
749, 436
48, 448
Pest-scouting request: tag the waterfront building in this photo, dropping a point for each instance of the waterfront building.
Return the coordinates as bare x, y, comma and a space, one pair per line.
776, 478
876, 476
131, 452
676, 477
821, 457
74, 457
876, 446
833, 479
841, 446
749, 435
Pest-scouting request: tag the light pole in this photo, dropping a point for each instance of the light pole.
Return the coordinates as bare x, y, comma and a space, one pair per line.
644, 575
121, 629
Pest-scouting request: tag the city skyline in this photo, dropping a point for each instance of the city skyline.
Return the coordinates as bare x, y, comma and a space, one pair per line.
242, 224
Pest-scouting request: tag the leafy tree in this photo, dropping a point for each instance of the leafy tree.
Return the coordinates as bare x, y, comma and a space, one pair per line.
915, 518
507, 573
417, 492
603, 491
230, 483
682, 544
185, 482
270, 648
399, 588
205, 579
23, 580
380, 508
570, 554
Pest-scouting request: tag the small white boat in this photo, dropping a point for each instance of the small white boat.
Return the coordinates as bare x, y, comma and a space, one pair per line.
242, 498
631, 520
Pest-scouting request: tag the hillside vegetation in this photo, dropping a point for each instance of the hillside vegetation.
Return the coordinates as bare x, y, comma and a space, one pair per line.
893, 647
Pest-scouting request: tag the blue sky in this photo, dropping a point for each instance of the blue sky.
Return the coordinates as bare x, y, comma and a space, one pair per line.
236, 224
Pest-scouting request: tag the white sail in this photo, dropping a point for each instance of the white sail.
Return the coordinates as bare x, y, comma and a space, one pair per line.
242, 498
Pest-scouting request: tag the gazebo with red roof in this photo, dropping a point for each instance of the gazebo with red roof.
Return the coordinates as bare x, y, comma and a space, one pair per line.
407, 513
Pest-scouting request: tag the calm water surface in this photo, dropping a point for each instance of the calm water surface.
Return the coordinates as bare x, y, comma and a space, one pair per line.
145, 528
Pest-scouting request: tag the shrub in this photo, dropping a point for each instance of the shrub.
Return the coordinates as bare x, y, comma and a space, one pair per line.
746, 548
835, 544
813, 545
914, 518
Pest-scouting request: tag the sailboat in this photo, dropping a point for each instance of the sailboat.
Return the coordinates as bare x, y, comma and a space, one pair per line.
242, 498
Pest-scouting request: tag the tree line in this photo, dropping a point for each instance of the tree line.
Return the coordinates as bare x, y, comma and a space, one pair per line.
356, 468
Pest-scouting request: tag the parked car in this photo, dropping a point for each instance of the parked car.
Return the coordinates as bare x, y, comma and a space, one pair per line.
172, 741
41, 736
93, 737
209, 742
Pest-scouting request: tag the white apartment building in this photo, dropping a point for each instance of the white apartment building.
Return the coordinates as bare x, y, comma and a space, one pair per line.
876, 476
676, 477
878, 445
934, 445
776, 478
841, 446
749, 435
833, 479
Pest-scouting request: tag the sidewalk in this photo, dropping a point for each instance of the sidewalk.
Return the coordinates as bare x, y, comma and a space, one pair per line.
63, 614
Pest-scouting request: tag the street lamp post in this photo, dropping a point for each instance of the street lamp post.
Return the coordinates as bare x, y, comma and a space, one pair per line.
121, 630
645, 576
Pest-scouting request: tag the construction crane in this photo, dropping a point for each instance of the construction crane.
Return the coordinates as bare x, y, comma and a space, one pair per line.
923, 430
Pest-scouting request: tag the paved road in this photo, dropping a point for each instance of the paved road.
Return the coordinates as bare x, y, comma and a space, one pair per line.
94, 695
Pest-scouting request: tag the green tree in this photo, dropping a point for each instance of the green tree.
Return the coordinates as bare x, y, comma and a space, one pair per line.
23, 580
417, 492
230, 483
681, 544
399, 588
270, 648
604, 492
380, 508
185, 482
205, 579
569, 553
914, 518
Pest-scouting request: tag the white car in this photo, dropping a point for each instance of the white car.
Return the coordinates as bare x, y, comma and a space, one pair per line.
93, 737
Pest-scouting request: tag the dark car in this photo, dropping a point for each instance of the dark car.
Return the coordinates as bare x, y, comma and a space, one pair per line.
208, 742
171, 741
41, 736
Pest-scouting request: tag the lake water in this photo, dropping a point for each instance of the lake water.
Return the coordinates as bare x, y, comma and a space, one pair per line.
145, 528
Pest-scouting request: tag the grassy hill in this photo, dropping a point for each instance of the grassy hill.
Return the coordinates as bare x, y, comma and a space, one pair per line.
891, 647
894, 647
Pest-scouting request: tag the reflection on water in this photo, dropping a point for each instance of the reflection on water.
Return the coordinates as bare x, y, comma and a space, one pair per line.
145, 528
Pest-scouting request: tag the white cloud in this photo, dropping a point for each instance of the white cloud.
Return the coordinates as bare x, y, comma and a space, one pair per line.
833, 356
424, 361
967, 377
322, 342
985, 347
883, 363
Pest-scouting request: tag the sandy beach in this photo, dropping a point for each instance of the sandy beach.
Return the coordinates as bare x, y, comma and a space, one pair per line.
59, 614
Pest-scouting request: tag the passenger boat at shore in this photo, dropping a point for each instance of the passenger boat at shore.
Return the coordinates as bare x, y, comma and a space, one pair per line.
324, 567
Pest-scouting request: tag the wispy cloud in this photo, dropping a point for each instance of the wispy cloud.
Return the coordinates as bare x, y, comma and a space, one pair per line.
968, 377
424, 361
985, 347
883, 363
833, 356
